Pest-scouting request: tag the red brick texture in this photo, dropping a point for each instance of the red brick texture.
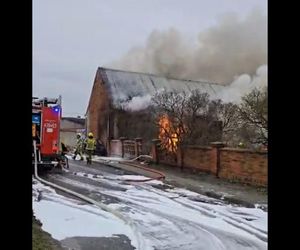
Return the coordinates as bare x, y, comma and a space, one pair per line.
196, 157
98, 111
245, 166
115, 148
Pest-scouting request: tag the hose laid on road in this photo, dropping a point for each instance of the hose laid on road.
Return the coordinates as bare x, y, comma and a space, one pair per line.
132, 163
127, 221
161, 176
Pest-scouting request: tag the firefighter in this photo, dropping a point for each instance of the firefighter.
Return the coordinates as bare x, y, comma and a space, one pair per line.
90, 146
79, 147
64, 149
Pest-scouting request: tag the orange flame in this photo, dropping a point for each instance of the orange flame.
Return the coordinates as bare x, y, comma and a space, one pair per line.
168, 138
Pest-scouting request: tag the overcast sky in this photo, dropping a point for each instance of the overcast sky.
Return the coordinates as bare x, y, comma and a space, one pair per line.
72, 38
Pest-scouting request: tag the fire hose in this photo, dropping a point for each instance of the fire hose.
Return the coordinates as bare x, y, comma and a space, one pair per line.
102, 206
161, 176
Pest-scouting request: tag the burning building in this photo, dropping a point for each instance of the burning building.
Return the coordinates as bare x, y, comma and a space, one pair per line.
119, 99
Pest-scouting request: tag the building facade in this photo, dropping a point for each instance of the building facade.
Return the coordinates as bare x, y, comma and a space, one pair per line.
69, 127
116, 105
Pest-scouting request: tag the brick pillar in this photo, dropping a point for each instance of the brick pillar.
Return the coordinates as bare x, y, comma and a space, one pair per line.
215, 157
180, 156
154, 150
138, 142
122, 139
108, 147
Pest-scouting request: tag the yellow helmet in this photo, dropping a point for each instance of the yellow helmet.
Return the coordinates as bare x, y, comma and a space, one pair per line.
90, 134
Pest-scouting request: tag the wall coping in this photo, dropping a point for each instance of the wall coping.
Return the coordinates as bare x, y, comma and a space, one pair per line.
243, 150
218, 144
197, 147
115, 140
131, 141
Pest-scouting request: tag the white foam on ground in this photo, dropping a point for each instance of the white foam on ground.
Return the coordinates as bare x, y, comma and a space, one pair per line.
170, 219
64, 217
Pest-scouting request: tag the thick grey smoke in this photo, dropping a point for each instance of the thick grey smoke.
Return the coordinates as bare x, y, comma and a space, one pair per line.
222, 53
243, 85
137, 103
233, 92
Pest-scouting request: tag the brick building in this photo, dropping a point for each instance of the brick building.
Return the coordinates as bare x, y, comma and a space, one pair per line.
69, 127
117, 102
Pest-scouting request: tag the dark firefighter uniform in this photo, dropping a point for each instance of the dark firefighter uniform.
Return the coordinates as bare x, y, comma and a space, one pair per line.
90, 147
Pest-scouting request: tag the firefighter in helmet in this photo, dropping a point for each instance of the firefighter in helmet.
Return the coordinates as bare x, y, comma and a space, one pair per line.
79, 147
90, 146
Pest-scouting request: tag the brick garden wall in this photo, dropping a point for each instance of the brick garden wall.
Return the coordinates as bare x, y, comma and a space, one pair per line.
241, 165
115, 147
128, 149
196, 157
244, 165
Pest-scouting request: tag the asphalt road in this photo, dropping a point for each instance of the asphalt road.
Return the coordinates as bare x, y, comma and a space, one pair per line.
164, 217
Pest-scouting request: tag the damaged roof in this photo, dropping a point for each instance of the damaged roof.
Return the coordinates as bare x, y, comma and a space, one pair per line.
125, 85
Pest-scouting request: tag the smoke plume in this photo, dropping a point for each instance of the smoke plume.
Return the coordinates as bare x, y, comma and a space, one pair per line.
222, 54
243, 85
137, 103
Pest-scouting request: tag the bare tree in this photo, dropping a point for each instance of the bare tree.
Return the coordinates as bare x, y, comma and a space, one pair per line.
182, 118
228, 114
253, 113
195, 119
169, 109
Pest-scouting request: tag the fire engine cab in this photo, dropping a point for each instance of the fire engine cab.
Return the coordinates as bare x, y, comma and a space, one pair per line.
46, 116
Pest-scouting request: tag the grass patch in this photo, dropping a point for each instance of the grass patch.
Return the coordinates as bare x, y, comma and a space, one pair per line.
42, 240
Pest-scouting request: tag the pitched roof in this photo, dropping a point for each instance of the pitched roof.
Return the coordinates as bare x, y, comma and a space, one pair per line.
80, 121
125, 85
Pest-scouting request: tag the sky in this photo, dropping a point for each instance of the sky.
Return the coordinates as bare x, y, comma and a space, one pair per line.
72, 38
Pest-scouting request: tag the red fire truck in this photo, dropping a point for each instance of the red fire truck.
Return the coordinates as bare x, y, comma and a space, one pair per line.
46, 116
